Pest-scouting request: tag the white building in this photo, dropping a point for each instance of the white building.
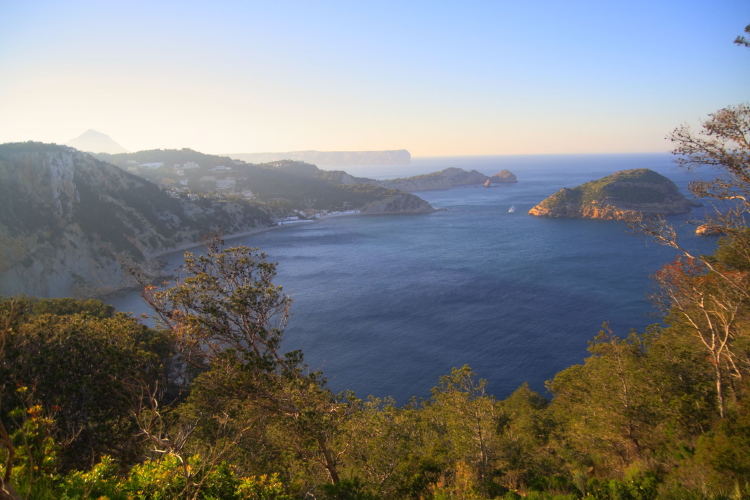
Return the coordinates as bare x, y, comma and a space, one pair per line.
225, 184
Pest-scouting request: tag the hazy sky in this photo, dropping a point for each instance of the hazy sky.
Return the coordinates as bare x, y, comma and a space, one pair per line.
436, 78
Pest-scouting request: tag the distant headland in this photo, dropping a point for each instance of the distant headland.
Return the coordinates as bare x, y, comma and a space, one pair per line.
331, 158
444, 179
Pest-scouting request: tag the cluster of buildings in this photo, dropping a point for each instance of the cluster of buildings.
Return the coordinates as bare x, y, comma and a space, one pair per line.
177, 186
310, 215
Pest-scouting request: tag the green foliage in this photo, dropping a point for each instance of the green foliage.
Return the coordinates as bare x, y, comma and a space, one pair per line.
289, 184
228, 317
69, 306
659, 414
628, 186
166, 479
348, 489
86, 365
36, 461
725, 450
608, 405
639, 488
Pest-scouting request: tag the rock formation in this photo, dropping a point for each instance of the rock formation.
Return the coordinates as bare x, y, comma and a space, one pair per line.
74, 225
708, 230
618, 196
503, 177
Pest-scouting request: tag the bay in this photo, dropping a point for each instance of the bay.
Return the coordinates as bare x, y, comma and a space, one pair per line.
385, 305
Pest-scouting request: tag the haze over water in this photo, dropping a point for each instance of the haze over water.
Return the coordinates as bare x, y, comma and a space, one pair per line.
385, 305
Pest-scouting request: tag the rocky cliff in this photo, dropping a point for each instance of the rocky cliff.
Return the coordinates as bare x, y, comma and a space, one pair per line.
637, 191
503, 177
73, 225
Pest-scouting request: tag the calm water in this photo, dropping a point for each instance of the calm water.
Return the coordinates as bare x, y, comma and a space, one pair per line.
385, 305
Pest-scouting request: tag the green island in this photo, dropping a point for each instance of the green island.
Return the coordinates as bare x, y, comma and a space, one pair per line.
638, 191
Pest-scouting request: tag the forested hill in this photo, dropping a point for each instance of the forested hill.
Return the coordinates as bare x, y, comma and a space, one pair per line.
444, 179
168, 156
617, 196
70, 222
283, 184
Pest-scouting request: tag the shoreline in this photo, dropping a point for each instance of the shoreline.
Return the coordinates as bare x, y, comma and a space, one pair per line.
242, 234
196, 244
156, 257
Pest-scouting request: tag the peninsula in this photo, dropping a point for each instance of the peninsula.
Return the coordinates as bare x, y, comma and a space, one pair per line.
331, 158
444, 179
616, 197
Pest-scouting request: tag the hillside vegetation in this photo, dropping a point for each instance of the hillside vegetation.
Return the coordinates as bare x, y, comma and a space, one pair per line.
285, 184
444, 179
210, 406
617, 196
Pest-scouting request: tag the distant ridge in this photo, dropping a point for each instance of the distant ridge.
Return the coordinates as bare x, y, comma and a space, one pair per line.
331, 158
444, 179
92, 141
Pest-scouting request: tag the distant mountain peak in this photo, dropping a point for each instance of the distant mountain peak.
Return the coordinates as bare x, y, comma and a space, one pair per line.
92, 141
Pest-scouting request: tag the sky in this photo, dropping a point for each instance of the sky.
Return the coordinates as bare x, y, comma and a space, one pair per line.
436, 78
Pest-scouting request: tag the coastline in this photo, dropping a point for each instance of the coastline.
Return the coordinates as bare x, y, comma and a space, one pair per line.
154, 258
196, 244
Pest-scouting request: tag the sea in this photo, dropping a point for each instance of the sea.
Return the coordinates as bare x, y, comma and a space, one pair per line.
384, 305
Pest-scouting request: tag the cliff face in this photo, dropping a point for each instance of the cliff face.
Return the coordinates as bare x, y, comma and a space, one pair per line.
73, 225
637, 191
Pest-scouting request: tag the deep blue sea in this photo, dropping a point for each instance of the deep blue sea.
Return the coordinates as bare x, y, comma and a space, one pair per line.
385, 305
